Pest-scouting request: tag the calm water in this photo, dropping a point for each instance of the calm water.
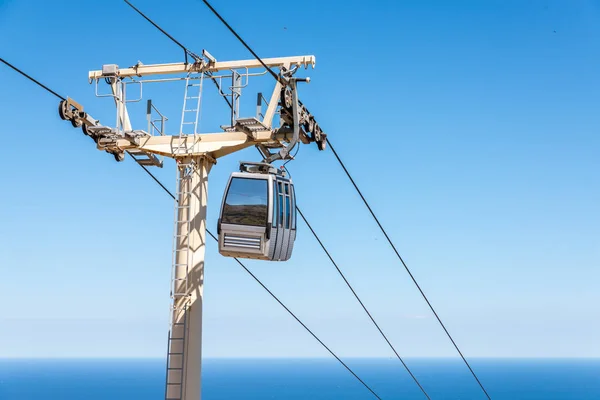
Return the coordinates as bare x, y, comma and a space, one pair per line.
303, 379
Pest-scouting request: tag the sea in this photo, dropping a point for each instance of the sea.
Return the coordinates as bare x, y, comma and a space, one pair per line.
504, 379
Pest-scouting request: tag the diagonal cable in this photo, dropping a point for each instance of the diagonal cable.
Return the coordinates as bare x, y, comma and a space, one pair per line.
277, 299
185, 50
213, 236
406, 267
32, 79
365, 201
301, 323
360, 301
273, 74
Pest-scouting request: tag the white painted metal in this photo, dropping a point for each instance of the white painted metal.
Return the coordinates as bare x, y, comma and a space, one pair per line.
216, 144
183, 68
185, 338
273, 240
195, 153
192, 97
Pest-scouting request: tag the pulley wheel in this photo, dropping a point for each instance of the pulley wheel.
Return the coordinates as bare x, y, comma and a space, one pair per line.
62, 109
315, 133
310, 126
322, 142
287, 98
76, 123
119, 156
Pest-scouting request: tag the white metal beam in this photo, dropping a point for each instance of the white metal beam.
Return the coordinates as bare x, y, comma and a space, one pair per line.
268, 118
181, 68
190, 249
214, 144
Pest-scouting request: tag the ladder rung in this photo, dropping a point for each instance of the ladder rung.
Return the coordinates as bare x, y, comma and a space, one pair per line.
191, 110
192, 97
187, 123
175, 368
174, 354
176, 338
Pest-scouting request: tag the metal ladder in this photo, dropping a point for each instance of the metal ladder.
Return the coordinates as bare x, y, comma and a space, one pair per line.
193, 92
175, 377
180, 288
181, 262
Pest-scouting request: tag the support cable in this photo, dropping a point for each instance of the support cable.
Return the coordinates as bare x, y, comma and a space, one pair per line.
301, 323
32, 79
277, 77
356, 295
277, 299
274, 296
213, 236
153, 177
361, 303
405, 266
185, 49
366, 204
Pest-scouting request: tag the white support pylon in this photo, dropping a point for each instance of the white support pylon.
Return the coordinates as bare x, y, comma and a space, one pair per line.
195, 153
185, 353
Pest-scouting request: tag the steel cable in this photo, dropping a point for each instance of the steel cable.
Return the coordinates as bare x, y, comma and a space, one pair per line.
406, 267
366, 203
211, 235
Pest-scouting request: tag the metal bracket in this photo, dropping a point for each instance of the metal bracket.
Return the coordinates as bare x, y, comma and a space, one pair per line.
71, 110
135, 136
289, 97
260, 167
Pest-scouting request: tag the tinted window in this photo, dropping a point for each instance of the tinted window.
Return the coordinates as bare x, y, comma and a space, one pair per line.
274, 221
294, 216
246, 202
287, 212
281, 210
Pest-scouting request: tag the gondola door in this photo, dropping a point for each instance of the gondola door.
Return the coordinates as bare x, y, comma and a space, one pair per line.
293, 216
279, 240
287, 227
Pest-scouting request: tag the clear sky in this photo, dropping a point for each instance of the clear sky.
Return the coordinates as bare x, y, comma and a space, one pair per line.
471, 126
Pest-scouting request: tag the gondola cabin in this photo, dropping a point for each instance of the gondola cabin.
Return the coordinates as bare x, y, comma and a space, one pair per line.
258, 214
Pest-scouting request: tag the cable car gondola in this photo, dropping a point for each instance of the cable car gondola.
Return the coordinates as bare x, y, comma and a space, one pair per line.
258, 214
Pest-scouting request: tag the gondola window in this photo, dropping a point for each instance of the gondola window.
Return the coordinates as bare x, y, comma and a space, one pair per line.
246, 202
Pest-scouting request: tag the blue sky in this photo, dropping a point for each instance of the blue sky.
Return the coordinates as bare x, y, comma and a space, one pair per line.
472, 128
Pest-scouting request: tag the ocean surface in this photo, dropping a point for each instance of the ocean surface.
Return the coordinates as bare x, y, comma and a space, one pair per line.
505, 379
